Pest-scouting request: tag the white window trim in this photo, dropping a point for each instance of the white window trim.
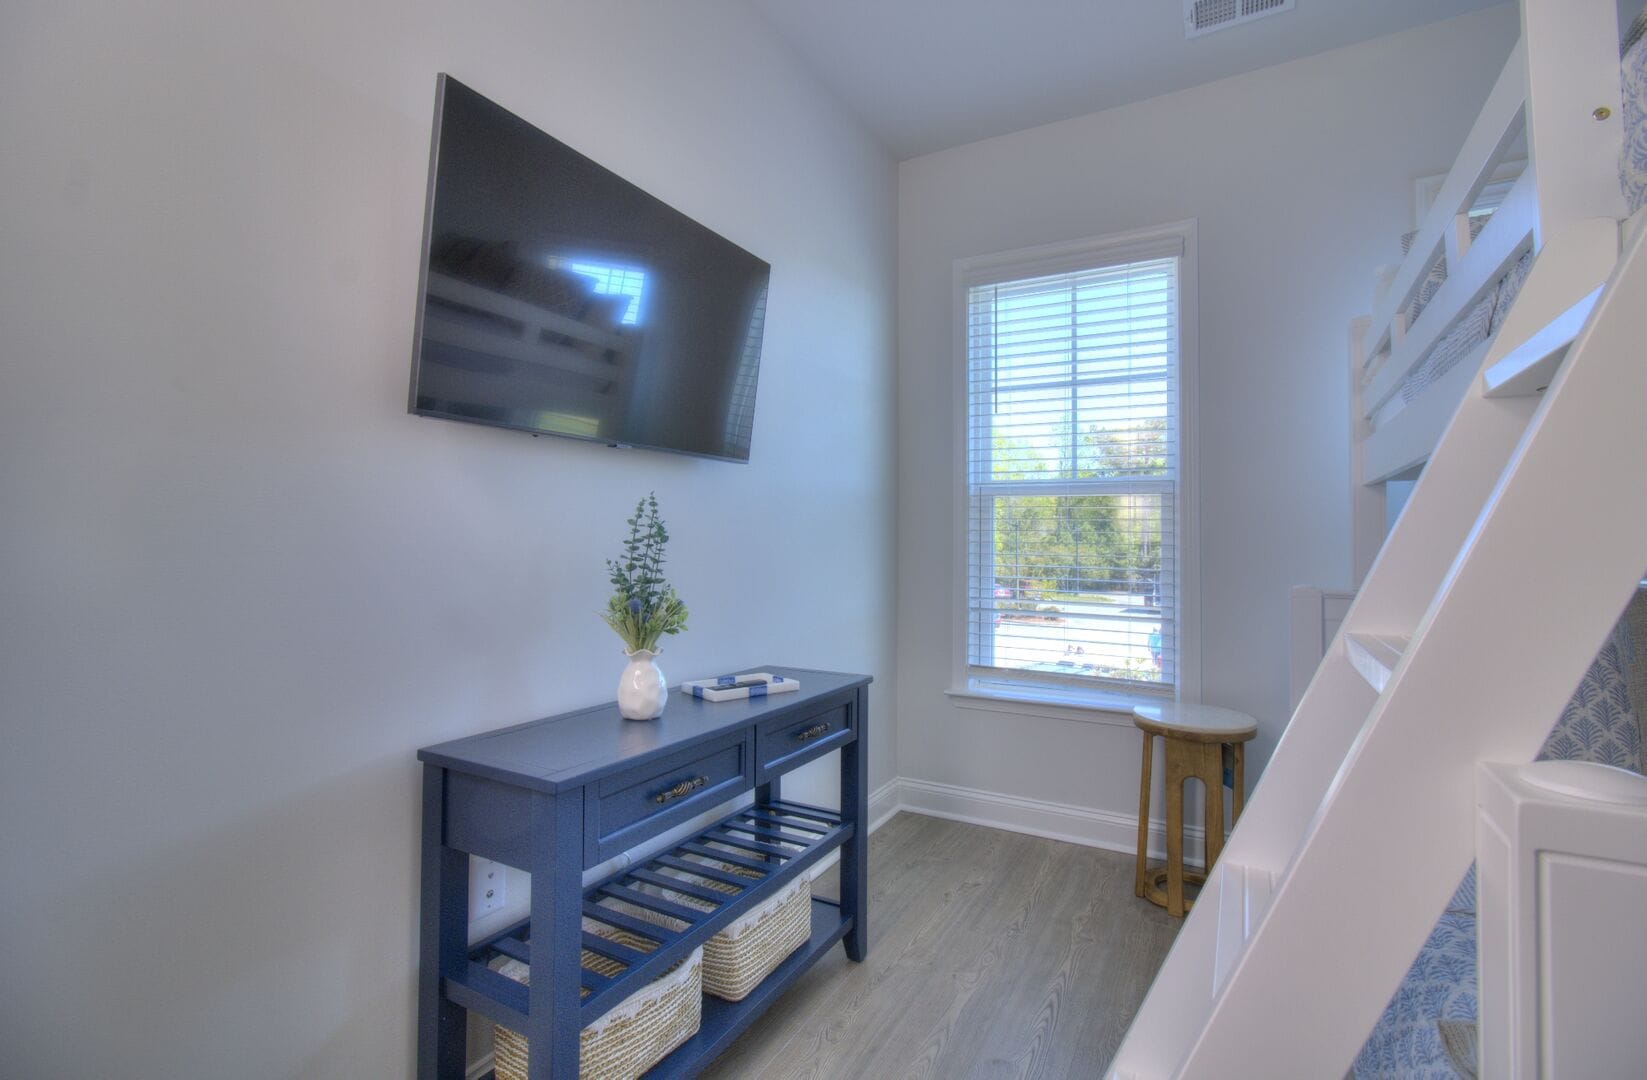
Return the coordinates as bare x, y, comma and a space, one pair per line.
1034, 698
1099, 706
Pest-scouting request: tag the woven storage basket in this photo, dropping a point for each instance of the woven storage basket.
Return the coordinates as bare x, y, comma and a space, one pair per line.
740, 956
635, 1035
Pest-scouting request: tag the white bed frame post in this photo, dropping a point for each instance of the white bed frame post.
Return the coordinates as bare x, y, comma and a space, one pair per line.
1314, 616
1561, 888
1574, 114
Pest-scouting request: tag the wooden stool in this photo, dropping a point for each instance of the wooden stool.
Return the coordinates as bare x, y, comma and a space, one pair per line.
1198, 740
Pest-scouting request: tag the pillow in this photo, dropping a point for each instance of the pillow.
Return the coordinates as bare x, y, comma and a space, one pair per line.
1637, 30
1461, 1040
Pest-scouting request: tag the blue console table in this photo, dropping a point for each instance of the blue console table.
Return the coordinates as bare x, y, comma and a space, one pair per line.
557, 796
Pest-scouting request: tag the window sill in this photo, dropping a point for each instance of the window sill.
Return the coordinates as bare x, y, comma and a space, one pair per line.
1112, 707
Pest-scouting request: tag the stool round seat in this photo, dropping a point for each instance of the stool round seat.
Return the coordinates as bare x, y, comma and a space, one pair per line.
1197, 723
1204, 742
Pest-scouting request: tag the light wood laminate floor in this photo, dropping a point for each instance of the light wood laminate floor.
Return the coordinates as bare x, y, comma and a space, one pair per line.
992, 954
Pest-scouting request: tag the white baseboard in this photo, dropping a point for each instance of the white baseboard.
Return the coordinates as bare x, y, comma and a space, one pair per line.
884, 802
1083, 825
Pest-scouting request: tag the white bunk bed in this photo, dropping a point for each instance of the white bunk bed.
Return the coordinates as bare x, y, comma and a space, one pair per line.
1437, 317
1431, 338
1442, 663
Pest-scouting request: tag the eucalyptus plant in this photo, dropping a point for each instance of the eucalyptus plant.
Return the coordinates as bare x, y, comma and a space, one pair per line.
643, 607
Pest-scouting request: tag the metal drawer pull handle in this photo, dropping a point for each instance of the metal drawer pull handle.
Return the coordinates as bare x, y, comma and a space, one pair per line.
685, 787
812, 732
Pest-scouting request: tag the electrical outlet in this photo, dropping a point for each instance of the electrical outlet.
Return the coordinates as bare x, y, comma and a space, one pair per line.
487, 891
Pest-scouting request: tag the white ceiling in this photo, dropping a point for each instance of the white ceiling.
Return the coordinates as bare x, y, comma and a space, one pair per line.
930, 74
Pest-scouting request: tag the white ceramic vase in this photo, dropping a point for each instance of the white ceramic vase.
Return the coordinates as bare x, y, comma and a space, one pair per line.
642, 693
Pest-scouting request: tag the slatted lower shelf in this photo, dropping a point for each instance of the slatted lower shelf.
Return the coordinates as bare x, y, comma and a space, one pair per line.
724, 1021
756, 851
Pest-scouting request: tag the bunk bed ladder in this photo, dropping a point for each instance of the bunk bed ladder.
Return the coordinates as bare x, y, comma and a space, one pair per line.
1479, 616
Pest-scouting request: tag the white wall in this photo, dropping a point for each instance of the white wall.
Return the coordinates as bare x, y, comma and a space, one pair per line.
1300, 177
241, 586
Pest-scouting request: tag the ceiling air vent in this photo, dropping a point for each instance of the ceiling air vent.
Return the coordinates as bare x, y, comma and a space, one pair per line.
1205, 16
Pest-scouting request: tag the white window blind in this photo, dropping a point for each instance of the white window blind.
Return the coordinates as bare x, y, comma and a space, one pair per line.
1073, 476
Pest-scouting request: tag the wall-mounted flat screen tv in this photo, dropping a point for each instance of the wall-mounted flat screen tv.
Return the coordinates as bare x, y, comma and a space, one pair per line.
560, 299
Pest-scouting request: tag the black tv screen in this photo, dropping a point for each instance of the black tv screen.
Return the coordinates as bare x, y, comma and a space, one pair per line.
560, 299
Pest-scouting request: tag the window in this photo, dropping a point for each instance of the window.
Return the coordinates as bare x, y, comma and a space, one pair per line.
609, 280
1075, 463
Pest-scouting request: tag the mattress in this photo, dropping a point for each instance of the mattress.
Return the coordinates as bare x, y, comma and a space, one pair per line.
1478, 324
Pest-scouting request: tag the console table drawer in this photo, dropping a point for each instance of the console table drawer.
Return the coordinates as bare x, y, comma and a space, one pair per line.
785, 743
622, 810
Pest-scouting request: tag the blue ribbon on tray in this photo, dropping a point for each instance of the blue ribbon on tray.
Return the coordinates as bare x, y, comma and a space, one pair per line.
759, 690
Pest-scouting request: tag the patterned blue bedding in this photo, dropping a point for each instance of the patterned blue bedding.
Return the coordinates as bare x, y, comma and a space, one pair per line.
1632, 160
1598, 724
1441, 985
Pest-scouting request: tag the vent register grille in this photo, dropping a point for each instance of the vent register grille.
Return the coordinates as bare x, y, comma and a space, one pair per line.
1205, 16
